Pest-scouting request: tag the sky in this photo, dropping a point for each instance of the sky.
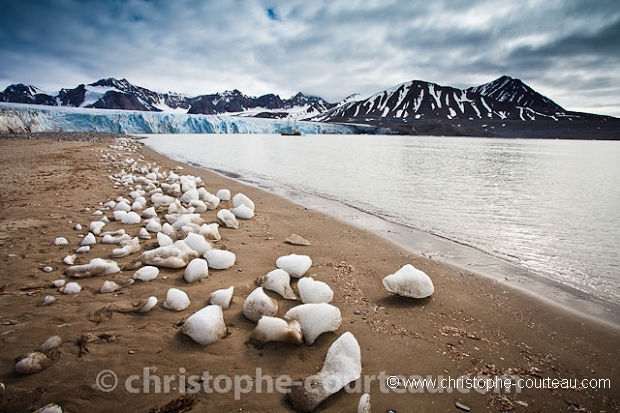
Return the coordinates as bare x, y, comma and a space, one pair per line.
568, 50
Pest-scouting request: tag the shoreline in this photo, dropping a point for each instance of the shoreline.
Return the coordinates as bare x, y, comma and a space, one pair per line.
470, 326
446, 250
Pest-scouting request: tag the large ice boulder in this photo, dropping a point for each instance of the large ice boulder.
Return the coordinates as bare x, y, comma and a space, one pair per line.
206, 326
409, 282
295, 265
315, 319
342, 365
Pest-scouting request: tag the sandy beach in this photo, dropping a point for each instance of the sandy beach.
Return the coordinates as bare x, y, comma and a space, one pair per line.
471, 326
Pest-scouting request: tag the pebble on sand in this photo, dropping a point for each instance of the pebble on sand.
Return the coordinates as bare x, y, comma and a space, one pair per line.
33, 363
295, 239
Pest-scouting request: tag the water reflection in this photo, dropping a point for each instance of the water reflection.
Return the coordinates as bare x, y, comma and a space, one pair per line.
551, 206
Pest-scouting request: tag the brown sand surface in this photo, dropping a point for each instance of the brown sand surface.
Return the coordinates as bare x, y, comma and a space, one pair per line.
469, 326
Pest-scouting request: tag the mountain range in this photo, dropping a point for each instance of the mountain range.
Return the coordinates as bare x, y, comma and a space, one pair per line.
121, 94
498, 108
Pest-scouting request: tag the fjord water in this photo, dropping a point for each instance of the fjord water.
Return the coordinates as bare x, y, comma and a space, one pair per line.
551, 207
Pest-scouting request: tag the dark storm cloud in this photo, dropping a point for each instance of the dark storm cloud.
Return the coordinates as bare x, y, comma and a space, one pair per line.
327, 48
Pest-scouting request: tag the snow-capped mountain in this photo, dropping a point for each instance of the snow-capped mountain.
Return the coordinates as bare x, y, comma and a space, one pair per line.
20, 93
266, 106
121, 94
507, 89
110, 94
504, 98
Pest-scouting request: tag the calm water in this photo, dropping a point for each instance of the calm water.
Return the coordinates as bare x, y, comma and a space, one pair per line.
550, 206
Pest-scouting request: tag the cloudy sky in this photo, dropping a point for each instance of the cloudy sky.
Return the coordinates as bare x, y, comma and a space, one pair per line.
568, 50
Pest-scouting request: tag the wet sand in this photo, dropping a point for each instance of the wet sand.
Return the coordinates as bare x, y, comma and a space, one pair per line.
470, 326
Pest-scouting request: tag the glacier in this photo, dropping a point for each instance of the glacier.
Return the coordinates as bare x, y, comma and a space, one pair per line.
24, 118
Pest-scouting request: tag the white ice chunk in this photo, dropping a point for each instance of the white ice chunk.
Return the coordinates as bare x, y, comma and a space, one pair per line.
149, 213
176, 300
70, 259
222, 297
258, 304
409, 282
242, 199
243, 212
72, 288
189, 195
177, 255
61, 241
315, 319
146, 273
131, 218
198, 205
211, 200
153, 225
128, 248
119, 215
313, 291
148, 305
295, 265
220, 259
111, 239
109, 287
198, 243
206, 326
122, 206
197, 269
342, 365
160, 200
223, 194
164, 240
96, 227
279, 281
276, 329
210, 231
89, 239
144, 234
97, 267
227, 218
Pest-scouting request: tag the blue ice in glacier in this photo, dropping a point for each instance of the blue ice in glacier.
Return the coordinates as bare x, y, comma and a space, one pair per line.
35, 118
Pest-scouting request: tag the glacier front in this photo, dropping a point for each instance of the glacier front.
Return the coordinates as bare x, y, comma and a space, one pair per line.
23, 118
